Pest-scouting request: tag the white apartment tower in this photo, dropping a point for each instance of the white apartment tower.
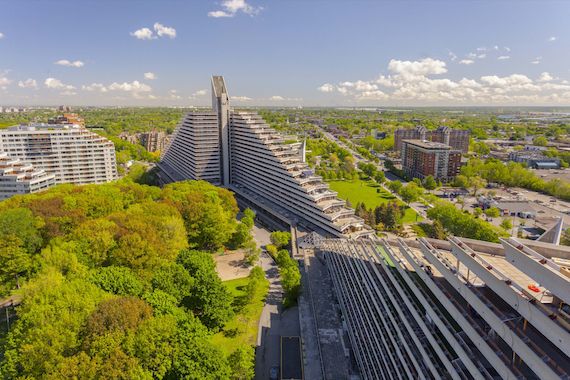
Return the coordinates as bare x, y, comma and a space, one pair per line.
70, 152
238, 150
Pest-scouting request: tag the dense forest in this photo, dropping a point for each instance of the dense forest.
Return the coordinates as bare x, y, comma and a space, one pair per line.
117, 281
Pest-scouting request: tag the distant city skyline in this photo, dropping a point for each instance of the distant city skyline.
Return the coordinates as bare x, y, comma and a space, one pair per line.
285, 53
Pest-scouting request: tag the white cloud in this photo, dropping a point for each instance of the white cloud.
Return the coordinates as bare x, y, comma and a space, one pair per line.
481, 56
481, 49
218, 14
54, 83
143, 34
162, 30
552, 39
503, 57
452, 56
94, 87
68, 93
413, 83
507, 49
409, 69
466, 62
174, 95
68, 63
545, 77
231, 7
1, 35
4, 81
536, 61
198, 93
327, 87
279, 98
150, 76
496, 47
135, 88
241, 98
28, 83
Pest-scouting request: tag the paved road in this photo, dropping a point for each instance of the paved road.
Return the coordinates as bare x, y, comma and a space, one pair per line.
275, 321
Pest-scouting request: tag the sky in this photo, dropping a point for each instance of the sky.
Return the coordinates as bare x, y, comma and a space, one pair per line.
285, 52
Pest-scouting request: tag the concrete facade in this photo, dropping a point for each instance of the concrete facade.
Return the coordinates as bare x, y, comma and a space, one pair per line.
70, 152
452, 312
19, 178
240, 151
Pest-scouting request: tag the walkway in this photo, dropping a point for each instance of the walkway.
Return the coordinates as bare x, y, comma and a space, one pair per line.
275, 321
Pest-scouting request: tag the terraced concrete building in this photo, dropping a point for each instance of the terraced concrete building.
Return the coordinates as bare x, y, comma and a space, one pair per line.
17, 177
70, 152
455, 309
238, 150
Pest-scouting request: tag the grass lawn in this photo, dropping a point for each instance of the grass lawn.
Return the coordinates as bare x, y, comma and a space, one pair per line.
242, 328
365, 191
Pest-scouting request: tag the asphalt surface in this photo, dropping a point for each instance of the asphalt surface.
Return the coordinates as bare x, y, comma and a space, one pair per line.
275, 321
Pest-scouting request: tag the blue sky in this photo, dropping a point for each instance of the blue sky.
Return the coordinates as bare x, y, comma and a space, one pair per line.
275, 52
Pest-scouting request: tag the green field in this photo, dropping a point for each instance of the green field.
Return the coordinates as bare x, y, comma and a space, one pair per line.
366, 191
242, 328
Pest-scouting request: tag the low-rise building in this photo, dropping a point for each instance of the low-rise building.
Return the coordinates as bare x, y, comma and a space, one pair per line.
68, 119
534, 159
19, 178
422, 158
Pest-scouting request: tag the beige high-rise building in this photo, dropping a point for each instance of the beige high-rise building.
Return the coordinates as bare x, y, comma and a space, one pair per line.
70, 152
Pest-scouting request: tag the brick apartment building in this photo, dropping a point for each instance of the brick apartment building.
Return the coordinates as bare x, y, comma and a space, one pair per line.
424, 158
458, 139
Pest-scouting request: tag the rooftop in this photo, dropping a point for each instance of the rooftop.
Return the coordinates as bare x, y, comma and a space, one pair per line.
427, 144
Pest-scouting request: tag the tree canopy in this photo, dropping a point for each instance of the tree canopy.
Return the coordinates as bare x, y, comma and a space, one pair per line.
109, 288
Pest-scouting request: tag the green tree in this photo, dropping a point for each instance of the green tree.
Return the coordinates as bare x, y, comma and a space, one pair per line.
209, 212
395, 186
242, 363
477, 212
476, 184
429, 183
15, 262
540, 140
438, 230
21, 224
411, 192
173, 279
209, 300
196, 358
118, 280
492, 212
506, 224
280, 238
154, 344
380, 177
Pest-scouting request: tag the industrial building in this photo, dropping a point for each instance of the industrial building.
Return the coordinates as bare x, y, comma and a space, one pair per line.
19, 178
70, 152
422, 158
535, 159
454, 309
458, 139
238, 150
